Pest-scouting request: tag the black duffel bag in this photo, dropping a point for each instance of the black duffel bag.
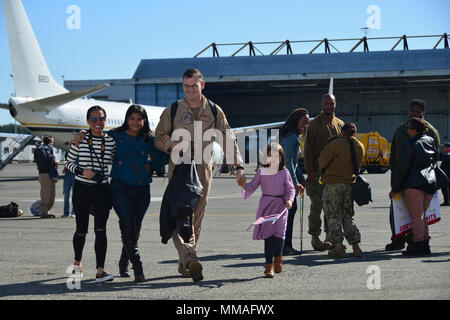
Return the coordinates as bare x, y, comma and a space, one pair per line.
10, 211
362, 193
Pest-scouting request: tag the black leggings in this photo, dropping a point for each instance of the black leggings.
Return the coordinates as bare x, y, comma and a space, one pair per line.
273, 247
94, 199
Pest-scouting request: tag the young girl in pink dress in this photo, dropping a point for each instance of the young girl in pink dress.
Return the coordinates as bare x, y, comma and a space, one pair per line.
277, 195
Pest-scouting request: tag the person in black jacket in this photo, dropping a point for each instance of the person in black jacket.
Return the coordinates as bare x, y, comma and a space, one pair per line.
445, 166
44, 162
417, 180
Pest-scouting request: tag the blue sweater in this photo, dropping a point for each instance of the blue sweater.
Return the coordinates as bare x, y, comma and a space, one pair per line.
292, 152
131, 157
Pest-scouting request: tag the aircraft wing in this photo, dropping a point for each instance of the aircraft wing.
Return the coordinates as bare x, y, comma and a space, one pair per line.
4, 106
47, 104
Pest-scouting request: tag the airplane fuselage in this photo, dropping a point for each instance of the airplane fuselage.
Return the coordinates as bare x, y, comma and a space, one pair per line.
64, 122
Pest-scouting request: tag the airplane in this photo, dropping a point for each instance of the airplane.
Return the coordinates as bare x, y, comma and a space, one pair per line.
46, 108
40, 103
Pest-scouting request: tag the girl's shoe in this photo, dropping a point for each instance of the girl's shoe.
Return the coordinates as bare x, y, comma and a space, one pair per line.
269, 270
278, 264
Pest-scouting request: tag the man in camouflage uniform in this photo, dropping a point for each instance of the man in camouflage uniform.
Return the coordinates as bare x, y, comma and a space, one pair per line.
336, 165
320, 129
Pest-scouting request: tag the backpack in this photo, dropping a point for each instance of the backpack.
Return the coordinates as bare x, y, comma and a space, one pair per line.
9, 211
174, 108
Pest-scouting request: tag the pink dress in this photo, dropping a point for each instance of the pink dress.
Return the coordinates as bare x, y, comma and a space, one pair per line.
277, 189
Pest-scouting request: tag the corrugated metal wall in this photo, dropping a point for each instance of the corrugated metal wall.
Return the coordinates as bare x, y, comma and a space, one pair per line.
158, 94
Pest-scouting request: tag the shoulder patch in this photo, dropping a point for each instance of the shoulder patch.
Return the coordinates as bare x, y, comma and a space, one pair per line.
187, 118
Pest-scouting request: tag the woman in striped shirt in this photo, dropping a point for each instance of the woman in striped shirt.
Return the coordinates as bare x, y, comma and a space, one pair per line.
91, 189
130, 184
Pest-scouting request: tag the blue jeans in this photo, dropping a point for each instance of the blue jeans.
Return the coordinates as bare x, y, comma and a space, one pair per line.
290, 225
130, 202
69, 179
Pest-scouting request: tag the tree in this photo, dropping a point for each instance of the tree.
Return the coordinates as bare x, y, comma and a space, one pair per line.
9, 128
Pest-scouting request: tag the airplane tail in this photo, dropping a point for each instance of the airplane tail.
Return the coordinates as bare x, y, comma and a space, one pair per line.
32, 77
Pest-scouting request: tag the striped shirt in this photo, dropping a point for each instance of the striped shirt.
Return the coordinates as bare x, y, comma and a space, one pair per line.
91, 157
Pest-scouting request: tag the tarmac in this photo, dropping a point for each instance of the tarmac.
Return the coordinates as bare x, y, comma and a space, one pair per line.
35, 254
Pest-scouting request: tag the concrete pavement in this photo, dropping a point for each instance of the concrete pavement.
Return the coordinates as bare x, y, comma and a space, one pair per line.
35, 254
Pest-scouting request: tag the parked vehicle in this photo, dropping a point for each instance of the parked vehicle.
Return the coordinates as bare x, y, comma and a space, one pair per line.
376, 157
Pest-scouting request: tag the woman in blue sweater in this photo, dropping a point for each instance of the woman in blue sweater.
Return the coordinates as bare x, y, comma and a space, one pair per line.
130, 184
290, 132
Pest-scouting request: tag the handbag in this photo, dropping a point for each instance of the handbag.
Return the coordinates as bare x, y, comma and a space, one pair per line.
441, 178
362, 193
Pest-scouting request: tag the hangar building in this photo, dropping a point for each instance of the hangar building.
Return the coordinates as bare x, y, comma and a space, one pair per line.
372, 89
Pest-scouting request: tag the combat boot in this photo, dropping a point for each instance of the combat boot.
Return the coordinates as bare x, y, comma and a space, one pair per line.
195, 270
318, 245
183, 271
269, 270
337, 252
357, 252
396, 244
278, 264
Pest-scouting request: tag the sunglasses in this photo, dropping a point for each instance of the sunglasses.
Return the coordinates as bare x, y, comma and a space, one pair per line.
95, 119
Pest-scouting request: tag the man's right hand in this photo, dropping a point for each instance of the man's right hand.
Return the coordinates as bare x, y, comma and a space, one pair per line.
79, 137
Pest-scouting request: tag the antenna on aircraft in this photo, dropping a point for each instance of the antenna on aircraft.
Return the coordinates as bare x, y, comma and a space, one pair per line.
330, 89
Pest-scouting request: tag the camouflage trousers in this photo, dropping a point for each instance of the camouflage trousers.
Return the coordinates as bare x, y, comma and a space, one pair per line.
338, 207
315, 191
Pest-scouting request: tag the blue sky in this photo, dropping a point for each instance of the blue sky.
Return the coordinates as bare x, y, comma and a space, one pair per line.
114, 35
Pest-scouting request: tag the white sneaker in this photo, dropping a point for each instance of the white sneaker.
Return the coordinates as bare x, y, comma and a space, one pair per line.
77, 272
